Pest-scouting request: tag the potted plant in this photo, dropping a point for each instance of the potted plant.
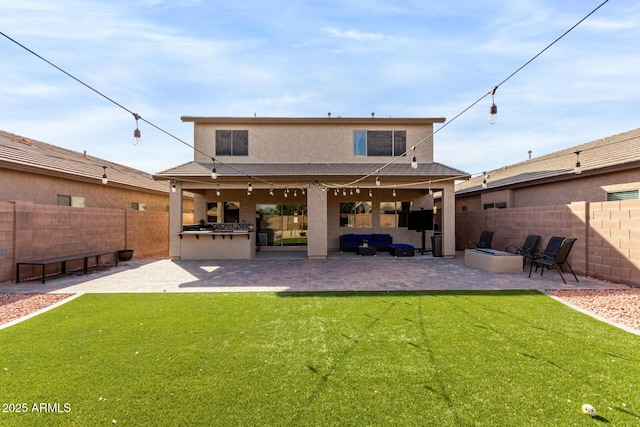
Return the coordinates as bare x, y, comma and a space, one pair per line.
125, 254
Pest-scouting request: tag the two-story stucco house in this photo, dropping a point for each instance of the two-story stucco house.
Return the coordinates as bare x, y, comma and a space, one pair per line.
301, 183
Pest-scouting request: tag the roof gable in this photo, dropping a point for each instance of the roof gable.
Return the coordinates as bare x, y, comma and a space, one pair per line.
621, 151
20, 153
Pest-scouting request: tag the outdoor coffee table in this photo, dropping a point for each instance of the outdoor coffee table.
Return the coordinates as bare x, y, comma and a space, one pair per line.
493, 261
367, 250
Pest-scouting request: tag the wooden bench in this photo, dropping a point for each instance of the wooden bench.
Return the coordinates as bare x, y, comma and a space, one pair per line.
63, 262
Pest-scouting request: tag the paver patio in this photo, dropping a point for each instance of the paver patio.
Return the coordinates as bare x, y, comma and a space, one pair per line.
279, 274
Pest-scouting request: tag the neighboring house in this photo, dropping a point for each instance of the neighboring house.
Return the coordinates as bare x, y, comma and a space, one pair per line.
544, 195
45, 174
609, 170
301, 183
53, 203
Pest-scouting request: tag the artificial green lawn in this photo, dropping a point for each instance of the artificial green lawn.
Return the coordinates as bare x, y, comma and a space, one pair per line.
247, 359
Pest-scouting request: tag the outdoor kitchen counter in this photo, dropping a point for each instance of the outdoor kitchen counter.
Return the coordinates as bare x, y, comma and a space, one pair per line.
218, 244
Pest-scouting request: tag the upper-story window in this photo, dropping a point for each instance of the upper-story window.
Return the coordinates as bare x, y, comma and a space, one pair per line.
380, 143
232, 142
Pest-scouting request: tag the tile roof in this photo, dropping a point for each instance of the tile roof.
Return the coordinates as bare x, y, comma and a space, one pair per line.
25, 154
195, 170
314, 120
615, 152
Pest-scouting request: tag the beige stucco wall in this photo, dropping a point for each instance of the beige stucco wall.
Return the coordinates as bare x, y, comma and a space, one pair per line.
291, 143
577, 188
42, 189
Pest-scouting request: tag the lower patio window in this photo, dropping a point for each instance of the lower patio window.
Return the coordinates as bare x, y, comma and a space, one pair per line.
394, 214
355, 214
281, 225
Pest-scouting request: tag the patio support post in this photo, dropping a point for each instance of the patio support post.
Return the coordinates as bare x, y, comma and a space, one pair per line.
317, 227
448, 220
175, 220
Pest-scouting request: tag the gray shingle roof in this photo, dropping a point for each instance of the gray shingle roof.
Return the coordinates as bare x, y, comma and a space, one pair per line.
195, 170
615, 152
21, 153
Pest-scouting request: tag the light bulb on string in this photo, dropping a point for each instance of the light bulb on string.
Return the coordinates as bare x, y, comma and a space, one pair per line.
377, 181
414, 161
214, 172
493, 111
578, 168
136, 132
105, 180
218, 190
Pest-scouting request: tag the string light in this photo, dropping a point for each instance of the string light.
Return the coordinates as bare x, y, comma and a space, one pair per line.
430, 189
358, 190
249, 188
578, 168
484, 180
218, 190
414, 161
173, 187
136, 132
271, 190
493, 111
137, 117
104, 175
214, 172
377, 180
370, 193
394, 191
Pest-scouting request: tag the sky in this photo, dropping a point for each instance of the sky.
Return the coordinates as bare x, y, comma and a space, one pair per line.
396, 58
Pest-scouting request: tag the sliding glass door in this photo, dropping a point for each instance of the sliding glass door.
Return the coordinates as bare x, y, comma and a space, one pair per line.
281, 225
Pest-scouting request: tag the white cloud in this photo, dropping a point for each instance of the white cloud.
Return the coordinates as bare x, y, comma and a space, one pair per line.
356, 35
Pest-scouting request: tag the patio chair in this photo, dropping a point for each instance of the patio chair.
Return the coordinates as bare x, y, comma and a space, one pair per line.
527, 249
556, 258
485, 241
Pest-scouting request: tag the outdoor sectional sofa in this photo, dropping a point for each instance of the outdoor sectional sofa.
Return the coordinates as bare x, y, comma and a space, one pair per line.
350, 242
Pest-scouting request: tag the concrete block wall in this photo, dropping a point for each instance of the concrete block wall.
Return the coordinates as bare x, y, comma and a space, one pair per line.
147, 233
607, 233
31, 231
614, 241
7, 233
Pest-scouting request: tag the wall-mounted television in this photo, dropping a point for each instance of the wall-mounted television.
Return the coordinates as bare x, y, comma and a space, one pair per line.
421, 220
